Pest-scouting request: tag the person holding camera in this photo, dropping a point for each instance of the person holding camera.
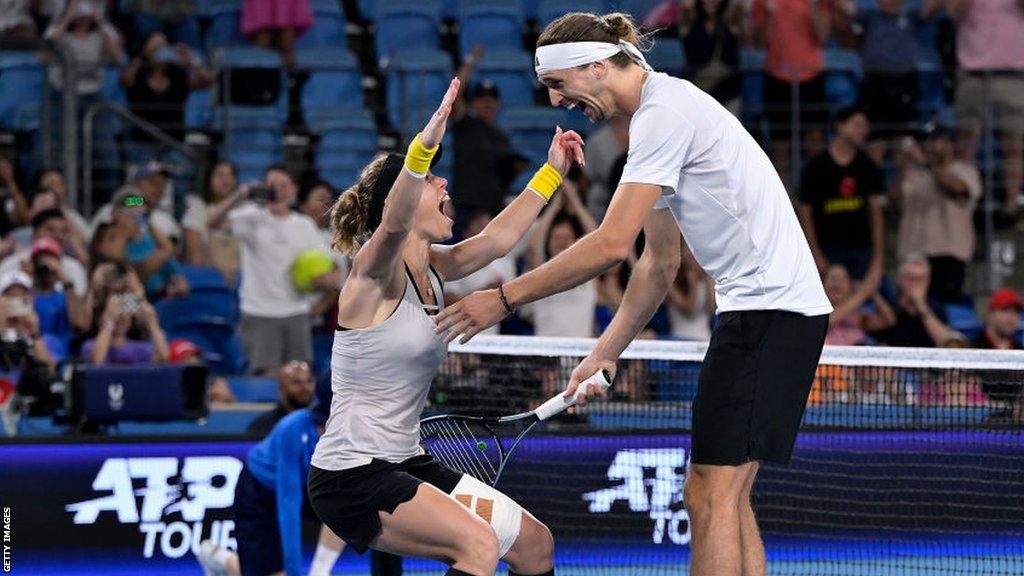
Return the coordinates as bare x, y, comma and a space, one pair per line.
52, 224
126, 328
275, 327
18, 320
59, 311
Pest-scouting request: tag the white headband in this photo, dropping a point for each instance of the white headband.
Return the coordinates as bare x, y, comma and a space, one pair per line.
572, 54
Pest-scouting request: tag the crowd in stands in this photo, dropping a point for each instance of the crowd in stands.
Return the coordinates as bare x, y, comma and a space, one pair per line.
113, 286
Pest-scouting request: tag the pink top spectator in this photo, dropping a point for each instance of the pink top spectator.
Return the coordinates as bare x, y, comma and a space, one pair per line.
846, 332
990, 36
260, 15
793, 48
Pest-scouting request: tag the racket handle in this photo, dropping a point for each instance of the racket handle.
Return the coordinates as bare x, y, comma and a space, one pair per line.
558, 403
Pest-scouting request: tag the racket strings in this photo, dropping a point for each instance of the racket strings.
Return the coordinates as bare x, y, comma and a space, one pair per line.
455, 444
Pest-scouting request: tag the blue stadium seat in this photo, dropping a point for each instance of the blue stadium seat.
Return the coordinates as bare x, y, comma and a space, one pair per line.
204, 277
202, 306
511, 71
931, 98
842, 77
962, 318
639, 9
416, 82
667, 55
493, 24
334, 79
254, 135
549, 10
254, 388
199, 109
21, 91
225, 27
406, 25
530, 129
328, 27
348, 141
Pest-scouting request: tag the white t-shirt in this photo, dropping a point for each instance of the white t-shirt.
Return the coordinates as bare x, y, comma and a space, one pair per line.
269, 245
73, 269
727, 198
568, 314
496, 272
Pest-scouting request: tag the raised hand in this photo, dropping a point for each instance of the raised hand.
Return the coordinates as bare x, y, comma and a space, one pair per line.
566, 148
433, 132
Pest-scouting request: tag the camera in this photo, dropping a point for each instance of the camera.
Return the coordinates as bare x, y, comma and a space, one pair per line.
262, 195
128, 303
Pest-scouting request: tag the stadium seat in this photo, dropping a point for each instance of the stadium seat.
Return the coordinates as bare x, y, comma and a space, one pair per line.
416, 82
328, 29
962, 318
493, 24
334, 79
667, 55
512, 72
406, 25
199, 109
444, 166
639, 9
752, 85
254, 58
549, 10
254, 388
202, 306
931, 98
21, 91
842, 77
347, 141
530, 129
253, 137
204, 277
225, 27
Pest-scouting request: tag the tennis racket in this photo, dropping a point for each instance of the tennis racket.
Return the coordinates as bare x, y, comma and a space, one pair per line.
470, 445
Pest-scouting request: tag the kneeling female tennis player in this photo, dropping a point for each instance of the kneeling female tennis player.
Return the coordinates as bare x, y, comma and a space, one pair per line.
371, 481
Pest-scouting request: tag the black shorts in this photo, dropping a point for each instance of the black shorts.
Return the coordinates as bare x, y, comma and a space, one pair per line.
778, 106
256, 527
350, 501
753, 386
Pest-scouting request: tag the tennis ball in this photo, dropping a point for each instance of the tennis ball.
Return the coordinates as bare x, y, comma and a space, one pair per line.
308, 266
481, 445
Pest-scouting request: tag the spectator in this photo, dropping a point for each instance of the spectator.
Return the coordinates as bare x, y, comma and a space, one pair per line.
275, 314
110, 241
176, 19
481, 174
604, 147
50, 190
222, 194
839, 208
151, 181
316, 201
611, 288
13, 209
711, 30
16, 20
51, 224
936, 195
18, 314
157, 83
125, 326
691, 300
888, 50
793, 33
276, 24
295, 389
58, 311
990, 52
920, 322
850, 321
569, 313
493, 275
1002, 323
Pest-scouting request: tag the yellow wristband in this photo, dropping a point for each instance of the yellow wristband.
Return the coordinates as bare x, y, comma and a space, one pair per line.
418, 157
545, 181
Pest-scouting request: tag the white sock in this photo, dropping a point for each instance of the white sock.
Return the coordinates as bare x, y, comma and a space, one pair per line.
323, 561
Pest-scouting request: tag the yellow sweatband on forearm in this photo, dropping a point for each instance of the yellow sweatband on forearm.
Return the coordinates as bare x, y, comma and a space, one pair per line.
545, 181
418, 157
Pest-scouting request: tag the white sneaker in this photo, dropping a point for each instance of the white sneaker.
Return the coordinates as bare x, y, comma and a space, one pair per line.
207, 557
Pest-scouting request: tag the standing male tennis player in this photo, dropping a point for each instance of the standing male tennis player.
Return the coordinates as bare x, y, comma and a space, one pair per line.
691, 167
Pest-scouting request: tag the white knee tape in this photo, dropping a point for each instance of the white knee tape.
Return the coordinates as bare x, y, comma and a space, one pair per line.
498, 510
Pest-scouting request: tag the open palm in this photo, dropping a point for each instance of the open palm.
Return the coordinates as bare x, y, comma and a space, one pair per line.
433, 132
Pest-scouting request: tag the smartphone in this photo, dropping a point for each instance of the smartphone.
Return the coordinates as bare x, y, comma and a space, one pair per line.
262, 195
128, 303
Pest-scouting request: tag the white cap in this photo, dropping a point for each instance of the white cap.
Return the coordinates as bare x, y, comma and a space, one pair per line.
15, 278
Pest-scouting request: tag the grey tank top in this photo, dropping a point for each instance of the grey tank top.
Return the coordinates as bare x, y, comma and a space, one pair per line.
380, 377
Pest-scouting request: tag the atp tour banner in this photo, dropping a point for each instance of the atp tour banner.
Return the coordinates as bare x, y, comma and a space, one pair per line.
153, 502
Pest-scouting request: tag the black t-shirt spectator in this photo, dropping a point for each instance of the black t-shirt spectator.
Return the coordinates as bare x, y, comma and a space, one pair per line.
909, 331
702, 47
480, 148
264, 423
839, 197
164, 109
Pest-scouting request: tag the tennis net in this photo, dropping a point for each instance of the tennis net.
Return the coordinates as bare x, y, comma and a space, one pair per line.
909, 461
